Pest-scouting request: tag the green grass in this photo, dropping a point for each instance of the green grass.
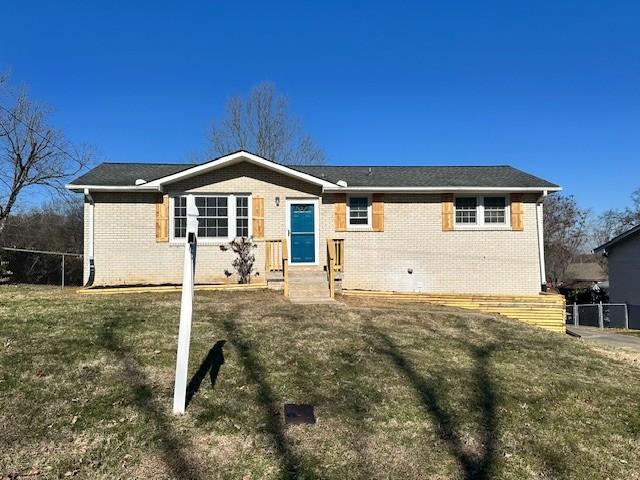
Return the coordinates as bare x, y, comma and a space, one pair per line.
401, 391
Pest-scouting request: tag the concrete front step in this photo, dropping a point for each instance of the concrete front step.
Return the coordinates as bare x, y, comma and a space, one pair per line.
314, 301
309, 285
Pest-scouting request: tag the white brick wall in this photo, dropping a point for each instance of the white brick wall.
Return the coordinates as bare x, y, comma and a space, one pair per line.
126, 251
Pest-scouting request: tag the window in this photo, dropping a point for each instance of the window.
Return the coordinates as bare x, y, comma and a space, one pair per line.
358, 211
242, 216
466, 210
481, 211
494, 210
220, 217
180, 217
213, 221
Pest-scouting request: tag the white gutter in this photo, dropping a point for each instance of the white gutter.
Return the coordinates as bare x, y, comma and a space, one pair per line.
90, 247
442, 189
540, 227
111, 188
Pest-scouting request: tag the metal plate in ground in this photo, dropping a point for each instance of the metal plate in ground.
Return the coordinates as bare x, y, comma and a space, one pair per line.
299, 413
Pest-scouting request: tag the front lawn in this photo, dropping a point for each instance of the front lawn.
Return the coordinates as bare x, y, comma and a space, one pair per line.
405, 391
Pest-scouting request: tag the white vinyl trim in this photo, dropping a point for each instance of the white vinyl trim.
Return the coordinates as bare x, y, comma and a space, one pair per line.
440, 189
111, 188
316, 227
238, 157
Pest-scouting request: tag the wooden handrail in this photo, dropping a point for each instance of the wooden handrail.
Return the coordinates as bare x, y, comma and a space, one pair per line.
285, 267
331, 258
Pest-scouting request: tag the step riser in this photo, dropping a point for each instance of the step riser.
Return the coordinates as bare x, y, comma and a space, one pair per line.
308, 285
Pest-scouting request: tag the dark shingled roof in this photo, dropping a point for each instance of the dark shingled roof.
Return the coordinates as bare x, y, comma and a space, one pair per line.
478, 176
125, 174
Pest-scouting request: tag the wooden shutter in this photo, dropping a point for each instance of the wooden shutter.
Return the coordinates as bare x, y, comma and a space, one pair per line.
257, 207
447, 212
162, 218
517, 212
341, 212
377, 210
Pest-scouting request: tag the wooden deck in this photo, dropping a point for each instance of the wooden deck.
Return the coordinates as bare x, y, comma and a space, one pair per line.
545, 310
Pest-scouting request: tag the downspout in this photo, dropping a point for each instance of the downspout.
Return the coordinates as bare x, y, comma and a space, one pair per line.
540, 227
92, 267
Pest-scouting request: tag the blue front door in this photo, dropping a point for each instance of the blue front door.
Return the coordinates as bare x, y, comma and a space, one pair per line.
303, 237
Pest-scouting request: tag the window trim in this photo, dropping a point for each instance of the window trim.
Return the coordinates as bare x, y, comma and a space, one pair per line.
369, 224
480, 223
231, 211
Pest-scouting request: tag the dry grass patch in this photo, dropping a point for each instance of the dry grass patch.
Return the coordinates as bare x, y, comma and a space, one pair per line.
405, 391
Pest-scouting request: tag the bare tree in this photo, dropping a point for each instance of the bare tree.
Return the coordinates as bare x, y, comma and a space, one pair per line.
613, 222
32, 153
565, 233
262, 124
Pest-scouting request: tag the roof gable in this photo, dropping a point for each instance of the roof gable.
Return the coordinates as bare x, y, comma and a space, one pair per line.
237, 157
616, 240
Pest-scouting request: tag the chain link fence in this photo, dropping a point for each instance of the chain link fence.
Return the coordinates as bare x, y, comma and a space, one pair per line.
604, 315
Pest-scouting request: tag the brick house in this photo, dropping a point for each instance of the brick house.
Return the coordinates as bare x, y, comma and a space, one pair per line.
407, 229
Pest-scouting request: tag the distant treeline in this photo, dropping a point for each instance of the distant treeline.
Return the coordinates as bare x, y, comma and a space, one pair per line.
55, 227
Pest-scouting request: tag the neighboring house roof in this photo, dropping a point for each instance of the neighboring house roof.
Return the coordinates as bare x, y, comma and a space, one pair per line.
616, 240
584, 272
124, 175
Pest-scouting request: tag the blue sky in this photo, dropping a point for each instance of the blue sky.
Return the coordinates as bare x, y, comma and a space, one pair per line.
552, 87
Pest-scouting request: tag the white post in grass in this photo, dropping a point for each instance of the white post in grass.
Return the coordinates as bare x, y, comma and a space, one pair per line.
186, 307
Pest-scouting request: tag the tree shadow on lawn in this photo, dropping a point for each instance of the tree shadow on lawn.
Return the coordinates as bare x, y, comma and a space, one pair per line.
480, 465
475, 466
139, 384
211, 364
292, 464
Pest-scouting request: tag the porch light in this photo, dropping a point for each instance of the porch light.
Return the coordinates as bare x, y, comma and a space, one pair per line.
277, 201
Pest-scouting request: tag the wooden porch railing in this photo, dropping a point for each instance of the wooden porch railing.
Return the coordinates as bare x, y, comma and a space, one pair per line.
331, 266
285, 267
335, 261
276, 259
273, 256
339, 250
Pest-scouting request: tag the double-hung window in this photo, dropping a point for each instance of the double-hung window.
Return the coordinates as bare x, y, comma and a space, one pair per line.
495, 211
359, 211
481, 211
213, 217
242, 217
220, 217
466, 210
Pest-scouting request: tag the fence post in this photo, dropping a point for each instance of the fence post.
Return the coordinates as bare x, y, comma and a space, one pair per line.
600, 319
62, 271
626, 315
576, 322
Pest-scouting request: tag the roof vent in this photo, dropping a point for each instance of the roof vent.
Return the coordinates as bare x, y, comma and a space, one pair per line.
369, 173
341, 183
140, 181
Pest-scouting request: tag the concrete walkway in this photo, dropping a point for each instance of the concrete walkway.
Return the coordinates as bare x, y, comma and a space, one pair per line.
602, 336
